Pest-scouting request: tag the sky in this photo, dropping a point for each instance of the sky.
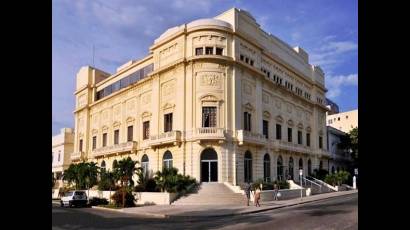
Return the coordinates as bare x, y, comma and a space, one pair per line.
123, 30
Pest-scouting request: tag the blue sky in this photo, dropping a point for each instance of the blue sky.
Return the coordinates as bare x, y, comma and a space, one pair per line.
122, 30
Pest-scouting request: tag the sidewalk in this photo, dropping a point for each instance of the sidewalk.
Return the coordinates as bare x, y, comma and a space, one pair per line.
166, 211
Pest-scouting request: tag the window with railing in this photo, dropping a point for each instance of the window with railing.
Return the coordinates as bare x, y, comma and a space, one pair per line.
168, 122
104, 139
307, 139
199, 51
209, 116
265, 128
81, 145
299, 137
116, 136
289, 134
247, 121
94, 142
145, 133
278, 132
130, 133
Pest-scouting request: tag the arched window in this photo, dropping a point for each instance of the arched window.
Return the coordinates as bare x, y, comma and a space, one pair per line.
300, 163
103, 165
167, 160
248, 166
114, 164
309, 167
266, 168
333, 169
144, 164
291, 168
279, 164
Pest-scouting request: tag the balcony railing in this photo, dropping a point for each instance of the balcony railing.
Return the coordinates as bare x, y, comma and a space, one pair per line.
324, 152
172, 137
251, 138
209, 133
292, 146
76, 155
123, 147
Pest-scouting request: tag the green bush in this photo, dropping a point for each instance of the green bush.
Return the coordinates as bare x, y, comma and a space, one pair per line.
107, 181
320, 174
170, 180
129, 197
282, 184
337, 178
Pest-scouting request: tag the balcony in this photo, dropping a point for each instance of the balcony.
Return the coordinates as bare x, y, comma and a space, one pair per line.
75, 156
251, 138
123, 147
323, 152
209, 133
172, 137
289, 146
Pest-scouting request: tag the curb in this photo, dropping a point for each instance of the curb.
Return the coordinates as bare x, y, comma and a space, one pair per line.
163, 216
266, 209
131, 213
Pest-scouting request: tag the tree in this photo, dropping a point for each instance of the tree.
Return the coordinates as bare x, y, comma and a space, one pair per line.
83, 174
124, 171
107, 181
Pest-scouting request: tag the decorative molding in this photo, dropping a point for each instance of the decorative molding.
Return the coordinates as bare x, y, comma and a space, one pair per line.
265, 98
209, 97
279, 119
290, 122
321, 132
104, 128
300, 126
94, 131
266, 114
248, 106
308, 129
130, 119
146, 114
116, 124
168, 106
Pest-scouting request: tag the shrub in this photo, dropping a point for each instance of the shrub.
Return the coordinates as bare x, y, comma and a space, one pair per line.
320, 174
151, 185
170, 181
337, 178
282, 184
107, 181
98, 201
129, 198
331, 179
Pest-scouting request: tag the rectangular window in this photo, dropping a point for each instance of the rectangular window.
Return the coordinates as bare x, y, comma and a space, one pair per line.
278, 132
168, 122
266, 129
199, 51
116, 136
94, 142
130, 133
208, 116
145, 134
241, 57
116, 86
251, 62
247, 121
300, 137
209, 50
81, 145
320, 142
219, 51
289, 134
125, 82
247, 60
104, 140
307, 139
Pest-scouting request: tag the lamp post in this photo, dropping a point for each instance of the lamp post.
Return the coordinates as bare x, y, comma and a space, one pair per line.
300, 180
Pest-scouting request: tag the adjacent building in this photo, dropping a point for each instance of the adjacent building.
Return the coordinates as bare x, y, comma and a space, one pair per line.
332, 106
340, 159
218, 98
345, 121
62, 147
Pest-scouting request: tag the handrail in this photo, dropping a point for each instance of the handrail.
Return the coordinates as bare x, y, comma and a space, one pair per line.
311, 181
324, 183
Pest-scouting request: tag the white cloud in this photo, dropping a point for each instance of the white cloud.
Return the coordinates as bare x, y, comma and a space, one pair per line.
335, 84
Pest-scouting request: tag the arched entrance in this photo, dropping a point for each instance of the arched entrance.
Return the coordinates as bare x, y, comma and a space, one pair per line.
291, 168
248, 166
279, 164
209, 165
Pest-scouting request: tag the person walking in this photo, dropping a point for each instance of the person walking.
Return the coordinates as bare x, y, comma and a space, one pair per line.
275, 191
258, 195
248, 189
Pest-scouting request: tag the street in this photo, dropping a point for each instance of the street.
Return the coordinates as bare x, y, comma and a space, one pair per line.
333, 213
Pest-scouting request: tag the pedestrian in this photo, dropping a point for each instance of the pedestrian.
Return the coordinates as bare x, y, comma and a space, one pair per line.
275, 191
258, 195
248, 189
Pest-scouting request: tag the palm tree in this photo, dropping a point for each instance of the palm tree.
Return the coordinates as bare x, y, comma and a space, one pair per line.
71, 175
107, 180
124, 172
90, 174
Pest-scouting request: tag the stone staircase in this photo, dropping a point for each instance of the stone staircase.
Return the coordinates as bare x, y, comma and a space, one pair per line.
211, 194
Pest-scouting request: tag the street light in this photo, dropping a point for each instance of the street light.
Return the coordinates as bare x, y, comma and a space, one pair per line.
300, 176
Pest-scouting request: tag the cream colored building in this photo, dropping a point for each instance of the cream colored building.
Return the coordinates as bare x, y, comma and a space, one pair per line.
62, 147
214, 98
345, 121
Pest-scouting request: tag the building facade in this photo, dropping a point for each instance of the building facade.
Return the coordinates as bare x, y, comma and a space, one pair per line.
219, 99
332, 106
340, 159
62, 147
345, 121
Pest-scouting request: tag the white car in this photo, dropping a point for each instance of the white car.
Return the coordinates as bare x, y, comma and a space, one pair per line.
74, 198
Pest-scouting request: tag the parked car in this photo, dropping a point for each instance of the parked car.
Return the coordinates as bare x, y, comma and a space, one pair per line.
95, 201
74, 198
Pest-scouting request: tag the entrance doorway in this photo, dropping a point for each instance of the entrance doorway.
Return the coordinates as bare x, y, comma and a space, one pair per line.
209, 165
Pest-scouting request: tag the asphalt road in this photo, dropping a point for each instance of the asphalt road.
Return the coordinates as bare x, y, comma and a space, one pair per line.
334, 213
